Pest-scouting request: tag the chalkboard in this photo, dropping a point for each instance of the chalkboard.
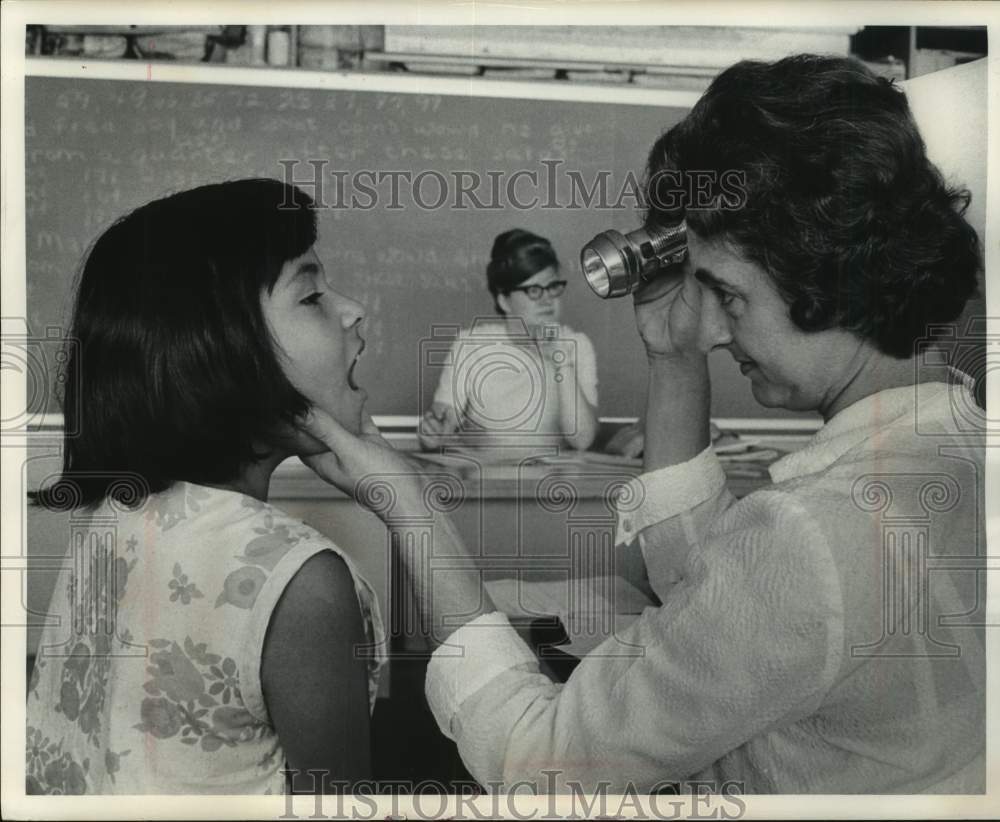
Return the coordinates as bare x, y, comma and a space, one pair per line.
96, 149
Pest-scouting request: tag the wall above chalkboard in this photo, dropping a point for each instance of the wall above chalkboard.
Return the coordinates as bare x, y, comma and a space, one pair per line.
663, 56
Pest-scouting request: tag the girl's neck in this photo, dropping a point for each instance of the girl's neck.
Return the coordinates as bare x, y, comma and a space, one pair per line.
255, 480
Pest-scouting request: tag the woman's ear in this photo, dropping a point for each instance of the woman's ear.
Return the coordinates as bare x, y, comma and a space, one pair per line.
504, 302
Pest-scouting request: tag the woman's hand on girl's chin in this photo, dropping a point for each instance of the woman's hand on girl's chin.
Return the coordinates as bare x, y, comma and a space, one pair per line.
353, 458
306, 445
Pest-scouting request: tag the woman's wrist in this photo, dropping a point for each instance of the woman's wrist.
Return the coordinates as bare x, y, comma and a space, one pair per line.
679, 380
677, 410
677, 361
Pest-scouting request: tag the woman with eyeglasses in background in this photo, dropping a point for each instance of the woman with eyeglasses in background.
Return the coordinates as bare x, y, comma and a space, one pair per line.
522, 379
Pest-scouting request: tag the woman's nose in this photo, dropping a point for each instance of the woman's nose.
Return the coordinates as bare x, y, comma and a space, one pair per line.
715, 329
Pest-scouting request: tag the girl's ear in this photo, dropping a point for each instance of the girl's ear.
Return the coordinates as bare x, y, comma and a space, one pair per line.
504, 302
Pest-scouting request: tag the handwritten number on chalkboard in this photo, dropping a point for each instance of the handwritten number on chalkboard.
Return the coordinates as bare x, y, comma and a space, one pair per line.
428, 104
205, 98
100, 175
244, 98
86, 163
340, 102
294, 100
168, 102
392, 102
73, 98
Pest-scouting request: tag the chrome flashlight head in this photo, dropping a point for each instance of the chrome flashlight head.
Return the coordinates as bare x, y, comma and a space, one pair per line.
616, 264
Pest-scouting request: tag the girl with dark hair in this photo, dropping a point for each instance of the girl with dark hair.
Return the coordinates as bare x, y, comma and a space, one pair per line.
216, 641
523, 379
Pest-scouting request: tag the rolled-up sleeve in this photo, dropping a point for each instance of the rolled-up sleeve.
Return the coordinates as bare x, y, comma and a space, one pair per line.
667, 492
487, 647
671, 511
749, 638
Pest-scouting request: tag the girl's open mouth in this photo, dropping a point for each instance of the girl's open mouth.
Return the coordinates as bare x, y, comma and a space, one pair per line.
350, 371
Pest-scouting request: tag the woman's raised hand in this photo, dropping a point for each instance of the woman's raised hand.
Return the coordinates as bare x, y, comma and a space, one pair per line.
668, 315
353, 458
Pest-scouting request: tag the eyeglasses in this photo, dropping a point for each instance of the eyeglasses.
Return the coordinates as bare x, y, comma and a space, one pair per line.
534, 292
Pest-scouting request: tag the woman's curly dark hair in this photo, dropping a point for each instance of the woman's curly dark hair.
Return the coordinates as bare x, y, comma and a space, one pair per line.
822, 179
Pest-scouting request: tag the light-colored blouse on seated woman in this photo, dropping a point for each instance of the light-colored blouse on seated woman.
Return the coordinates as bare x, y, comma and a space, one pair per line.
504, 385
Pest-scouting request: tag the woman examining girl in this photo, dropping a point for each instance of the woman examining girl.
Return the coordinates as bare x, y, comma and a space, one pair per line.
216, 641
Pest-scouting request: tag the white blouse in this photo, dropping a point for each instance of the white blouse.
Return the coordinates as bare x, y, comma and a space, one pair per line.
821, 635
495, 379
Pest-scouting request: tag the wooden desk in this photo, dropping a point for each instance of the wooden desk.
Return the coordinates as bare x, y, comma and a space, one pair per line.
540, 522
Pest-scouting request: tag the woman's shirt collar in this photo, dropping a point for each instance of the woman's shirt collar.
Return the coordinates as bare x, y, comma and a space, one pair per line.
859, 421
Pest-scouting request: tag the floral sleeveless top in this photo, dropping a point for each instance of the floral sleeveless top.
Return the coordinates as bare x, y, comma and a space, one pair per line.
151, 681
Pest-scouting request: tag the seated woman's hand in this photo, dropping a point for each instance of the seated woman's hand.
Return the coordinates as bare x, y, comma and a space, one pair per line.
353, 458
628, 441
437, 426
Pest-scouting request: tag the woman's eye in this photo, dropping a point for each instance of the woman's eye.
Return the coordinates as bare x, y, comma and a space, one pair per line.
312, 299
725, 298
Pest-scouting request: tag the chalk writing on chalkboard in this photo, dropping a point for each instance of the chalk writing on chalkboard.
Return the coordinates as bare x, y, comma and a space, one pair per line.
96, 149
